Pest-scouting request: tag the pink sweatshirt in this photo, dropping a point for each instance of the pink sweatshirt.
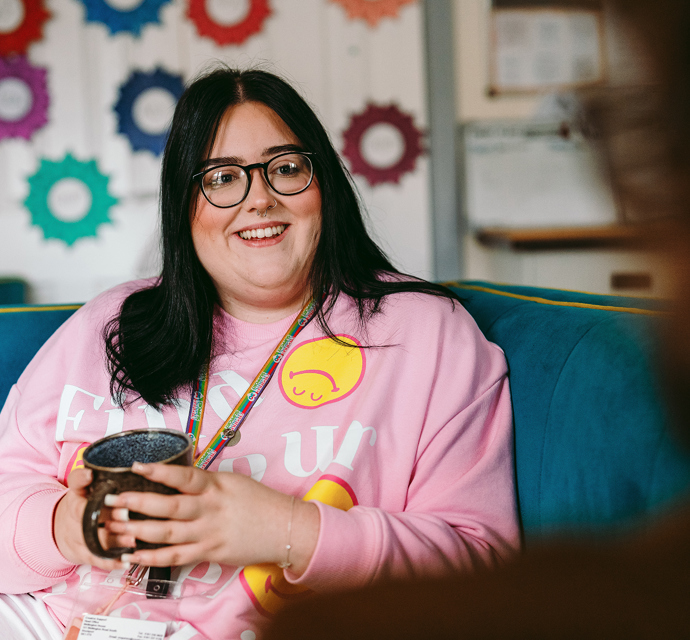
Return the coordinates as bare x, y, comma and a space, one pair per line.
406, 448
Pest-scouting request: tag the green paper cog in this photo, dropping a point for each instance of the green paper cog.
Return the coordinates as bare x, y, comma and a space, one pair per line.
40, 184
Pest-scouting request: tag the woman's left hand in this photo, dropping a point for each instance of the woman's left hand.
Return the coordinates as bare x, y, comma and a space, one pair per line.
220, 517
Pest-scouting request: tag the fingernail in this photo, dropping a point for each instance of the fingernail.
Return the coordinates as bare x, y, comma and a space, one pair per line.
121, 514
110, 500
138, 466
126, 558
126, 565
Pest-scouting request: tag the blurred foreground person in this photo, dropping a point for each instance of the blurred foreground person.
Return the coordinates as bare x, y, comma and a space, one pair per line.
628, 588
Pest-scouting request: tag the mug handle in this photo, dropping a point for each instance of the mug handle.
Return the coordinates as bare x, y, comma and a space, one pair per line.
90, 521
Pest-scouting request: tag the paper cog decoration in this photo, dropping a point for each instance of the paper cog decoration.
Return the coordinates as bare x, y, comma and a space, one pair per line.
382, 143
228, 21
21, 23
23, 98
132, 20
372, 10
145, 108
69, 199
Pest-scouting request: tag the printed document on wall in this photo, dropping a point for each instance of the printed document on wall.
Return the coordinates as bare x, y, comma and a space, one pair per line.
532, 174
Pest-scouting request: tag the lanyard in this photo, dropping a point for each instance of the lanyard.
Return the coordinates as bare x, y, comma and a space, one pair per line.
229, 428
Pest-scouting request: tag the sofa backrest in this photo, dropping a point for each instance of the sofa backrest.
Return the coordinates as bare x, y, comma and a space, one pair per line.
23, 329
592, 440
12, 291
592, 443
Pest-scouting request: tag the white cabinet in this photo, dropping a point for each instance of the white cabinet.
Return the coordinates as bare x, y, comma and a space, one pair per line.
609, 271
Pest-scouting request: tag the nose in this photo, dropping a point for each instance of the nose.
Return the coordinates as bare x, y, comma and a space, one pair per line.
259, 197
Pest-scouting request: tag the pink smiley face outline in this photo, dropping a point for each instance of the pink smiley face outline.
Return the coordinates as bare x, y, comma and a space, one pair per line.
290, 394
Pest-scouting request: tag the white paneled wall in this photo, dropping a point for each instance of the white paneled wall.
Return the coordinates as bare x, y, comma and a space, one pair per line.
338, 64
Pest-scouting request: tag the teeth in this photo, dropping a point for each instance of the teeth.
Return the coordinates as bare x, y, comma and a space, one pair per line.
268, 232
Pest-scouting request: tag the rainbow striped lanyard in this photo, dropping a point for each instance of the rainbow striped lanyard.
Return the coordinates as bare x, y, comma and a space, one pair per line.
230, 427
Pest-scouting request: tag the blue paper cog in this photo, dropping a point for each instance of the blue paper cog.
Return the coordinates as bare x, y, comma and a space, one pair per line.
137, 84
116, 20
37, 202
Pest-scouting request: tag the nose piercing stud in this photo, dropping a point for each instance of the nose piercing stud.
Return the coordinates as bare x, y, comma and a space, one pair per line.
264, 213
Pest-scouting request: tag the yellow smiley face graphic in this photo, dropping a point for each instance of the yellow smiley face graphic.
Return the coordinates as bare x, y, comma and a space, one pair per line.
321, 371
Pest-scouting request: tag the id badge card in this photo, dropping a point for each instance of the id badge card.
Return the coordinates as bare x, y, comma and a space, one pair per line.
123, 606
95, 627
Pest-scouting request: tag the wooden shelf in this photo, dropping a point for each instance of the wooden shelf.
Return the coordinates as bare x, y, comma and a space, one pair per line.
540, 239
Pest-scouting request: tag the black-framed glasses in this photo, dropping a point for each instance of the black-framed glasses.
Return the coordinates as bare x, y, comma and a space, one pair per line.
227, 185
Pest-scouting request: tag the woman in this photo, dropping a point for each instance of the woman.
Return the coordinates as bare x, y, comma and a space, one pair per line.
402, 451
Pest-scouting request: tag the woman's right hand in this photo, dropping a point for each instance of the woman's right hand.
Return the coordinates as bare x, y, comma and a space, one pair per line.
67, 525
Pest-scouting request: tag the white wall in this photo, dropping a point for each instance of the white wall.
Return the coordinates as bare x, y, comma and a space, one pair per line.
338, 64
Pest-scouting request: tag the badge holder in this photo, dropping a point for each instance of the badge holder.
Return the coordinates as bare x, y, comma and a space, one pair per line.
129, 607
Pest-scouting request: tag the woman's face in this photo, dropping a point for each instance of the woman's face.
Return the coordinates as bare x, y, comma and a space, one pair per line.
258, 279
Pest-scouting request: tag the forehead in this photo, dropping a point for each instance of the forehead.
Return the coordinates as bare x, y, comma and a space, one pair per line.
248, 130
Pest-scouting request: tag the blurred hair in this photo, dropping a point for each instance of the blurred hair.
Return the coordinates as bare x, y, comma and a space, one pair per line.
646, 129
163, 336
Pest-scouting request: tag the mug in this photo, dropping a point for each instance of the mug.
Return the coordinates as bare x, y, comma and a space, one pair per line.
110, 460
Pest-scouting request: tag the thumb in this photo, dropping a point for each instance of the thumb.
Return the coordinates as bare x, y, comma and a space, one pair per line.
79, 479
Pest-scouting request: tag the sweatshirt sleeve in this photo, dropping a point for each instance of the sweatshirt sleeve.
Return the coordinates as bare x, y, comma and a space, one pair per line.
30, 449
460, 512
30, 559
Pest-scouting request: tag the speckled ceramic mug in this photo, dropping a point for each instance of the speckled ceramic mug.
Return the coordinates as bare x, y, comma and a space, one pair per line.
110, 460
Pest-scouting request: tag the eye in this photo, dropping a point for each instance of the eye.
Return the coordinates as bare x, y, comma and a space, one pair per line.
223, 177
286, 169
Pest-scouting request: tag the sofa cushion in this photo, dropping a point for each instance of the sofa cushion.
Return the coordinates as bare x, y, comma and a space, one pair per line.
23, 329
592, 440
12, 291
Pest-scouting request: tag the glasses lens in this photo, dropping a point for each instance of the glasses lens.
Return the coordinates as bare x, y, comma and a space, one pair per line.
225, 186
290, 173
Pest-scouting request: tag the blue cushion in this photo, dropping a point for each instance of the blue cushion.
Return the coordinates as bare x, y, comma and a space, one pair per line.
12, 291
593, 447
23, 329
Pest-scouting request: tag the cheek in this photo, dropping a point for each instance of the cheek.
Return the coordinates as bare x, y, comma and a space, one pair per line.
313, 213
208, 221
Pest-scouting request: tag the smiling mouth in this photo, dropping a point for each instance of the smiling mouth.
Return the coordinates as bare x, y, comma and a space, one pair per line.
267, 232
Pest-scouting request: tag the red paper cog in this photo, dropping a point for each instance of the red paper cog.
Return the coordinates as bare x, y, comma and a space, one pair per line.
358, 127
228, 34
372, 10
29, 30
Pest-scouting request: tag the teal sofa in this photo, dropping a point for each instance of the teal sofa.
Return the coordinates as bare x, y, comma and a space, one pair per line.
12, 291
593, 448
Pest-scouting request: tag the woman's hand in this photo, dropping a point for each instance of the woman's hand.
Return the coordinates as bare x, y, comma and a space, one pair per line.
67, 524
220, 517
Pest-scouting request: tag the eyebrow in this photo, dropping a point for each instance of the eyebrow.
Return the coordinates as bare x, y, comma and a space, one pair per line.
267, 152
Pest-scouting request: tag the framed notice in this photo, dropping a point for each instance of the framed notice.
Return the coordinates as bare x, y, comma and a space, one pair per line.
539, 49
534, 174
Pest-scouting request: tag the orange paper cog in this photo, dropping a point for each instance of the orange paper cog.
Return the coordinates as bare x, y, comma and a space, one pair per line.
372, 10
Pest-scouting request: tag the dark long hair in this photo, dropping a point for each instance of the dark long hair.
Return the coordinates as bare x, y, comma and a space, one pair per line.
163, 336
